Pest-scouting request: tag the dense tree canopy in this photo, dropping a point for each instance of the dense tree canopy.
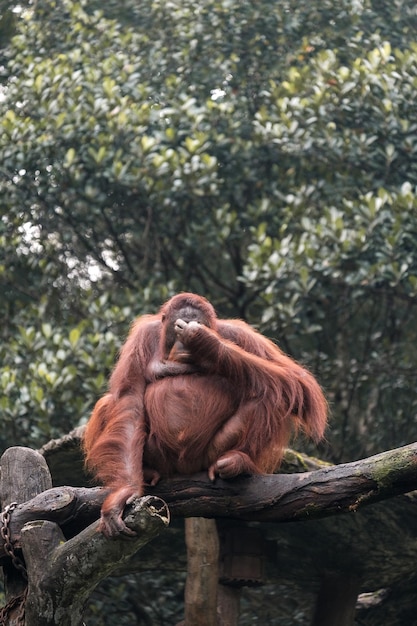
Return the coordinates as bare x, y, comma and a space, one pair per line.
262, 155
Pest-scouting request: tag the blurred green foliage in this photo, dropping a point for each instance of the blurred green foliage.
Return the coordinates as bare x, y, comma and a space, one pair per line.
261, 155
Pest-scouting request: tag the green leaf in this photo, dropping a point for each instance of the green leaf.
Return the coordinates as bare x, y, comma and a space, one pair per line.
69, 157
74, 337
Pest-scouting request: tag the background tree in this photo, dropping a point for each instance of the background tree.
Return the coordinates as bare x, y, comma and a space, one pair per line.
263, 155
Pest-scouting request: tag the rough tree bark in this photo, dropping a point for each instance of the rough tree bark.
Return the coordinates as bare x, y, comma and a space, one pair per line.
23, 476
202, 571
292, 497
63, 573
324, 492
58, 521
336, 600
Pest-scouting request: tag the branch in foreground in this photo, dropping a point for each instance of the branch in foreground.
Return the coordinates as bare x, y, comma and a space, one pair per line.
63, 573
273, 498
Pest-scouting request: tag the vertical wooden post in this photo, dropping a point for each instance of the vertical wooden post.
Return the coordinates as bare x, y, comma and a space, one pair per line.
24, 474
336, 601
228, 605
202, 572
241, 563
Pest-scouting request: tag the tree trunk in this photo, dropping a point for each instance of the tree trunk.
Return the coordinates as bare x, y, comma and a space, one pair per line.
24, 475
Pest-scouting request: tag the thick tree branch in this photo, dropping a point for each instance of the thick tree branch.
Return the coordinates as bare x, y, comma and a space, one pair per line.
272, 498
62, 574
289, 497
59, 572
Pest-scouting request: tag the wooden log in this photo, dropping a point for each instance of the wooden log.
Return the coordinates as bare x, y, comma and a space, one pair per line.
336, 600
332, 490
271, 498
62, 574
24, 474
228, 605
202, 572
73, 508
